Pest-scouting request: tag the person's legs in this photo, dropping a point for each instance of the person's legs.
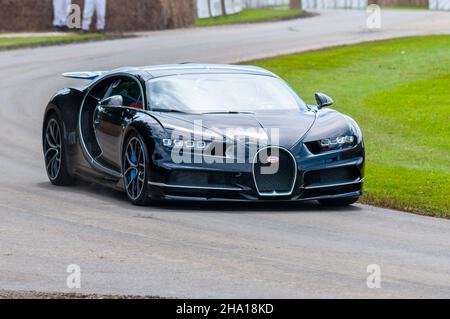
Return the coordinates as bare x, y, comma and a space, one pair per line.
65, 7
57, 13
101, 13
67, 4
89, 6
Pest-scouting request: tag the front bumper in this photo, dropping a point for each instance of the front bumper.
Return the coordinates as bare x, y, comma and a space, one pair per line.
331, 175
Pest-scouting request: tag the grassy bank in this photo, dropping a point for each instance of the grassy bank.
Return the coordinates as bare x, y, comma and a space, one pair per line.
253, 15
399, 92
405, 7
32, 41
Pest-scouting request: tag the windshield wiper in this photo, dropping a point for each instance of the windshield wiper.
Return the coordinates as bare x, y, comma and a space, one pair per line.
229, 112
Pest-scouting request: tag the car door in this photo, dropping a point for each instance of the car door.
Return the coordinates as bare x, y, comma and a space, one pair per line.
110, 118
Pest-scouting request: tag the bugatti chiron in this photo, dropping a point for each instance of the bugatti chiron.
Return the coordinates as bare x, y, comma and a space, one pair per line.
201, 132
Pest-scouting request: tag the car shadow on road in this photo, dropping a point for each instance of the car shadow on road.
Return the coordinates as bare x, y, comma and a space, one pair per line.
120, 199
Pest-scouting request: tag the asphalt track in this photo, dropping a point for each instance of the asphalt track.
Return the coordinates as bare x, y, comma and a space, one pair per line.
199, 250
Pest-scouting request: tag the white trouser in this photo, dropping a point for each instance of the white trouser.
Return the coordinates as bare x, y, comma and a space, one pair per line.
60, 12
91, 6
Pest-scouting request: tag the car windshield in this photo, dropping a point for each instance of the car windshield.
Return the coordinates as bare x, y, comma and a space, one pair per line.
217, 93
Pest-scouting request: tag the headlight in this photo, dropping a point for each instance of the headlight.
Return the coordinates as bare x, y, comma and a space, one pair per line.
337, 142
218, 149
331, 144
188, 144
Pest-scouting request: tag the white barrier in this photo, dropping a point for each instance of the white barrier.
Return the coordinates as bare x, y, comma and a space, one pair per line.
202, 9
216, 8
208, 8
439, 5
264, 3
213, 8
334, 4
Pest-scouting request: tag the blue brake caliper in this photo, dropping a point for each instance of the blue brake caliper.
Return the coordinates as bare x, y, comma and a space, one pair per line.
133, 159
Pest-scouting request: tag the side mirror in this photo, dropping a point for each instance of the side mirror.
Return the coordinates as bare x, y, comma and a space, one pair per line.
115, 100
323, 100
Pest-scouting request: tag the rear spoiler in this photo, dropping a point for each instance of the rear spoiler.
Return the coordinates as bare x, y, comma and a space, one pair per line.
84, 75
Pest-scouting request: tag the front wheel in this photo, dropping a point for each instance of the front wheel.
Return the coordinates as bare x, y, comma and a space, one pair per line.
338, 201
135, 170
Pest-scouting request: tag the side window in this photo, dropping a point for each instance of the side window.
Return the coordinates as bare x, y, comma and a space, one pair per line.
100, 91
129, 90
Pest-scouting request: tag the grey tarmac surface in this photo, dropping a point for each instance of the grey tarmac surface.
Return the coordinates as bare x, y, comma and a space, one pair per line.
200, 250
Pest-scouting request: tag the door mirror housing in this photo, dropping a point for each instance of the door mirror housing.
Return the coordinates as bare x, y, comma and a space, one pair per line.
323, 100
114, 101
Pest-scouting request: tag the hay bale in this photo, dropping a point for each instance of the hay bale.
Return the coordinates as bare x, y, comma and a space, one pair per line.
122, 16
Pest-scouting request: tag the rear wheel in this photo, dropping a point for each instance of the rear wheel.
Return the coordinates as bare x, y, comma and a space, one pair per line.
338, 201
54, 153
135, 170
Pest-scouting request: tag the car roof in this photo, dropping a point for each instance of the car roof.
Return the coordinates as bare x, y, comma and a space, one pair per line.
154, 71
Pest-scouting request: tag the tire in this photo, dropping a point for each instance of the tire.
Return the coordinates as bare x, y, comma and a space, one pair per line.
55, 152
338, 201
135, 169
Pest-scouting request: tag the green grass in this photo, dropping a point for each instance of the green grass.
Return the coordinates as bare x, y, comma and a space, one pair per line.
20, 42
252, 15
405, 7
399, 92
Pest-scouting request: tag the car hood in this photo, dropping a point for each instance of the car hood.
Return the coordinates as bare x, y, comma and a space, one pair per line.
291, 125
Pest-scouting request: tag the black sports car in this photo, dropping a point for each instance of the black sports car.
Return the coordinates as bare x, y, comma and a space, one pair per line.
201, 132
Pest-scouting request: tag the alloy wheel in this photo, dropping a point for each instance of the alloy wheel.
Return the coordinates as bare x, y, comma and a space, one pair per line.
52, 149
134, 168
